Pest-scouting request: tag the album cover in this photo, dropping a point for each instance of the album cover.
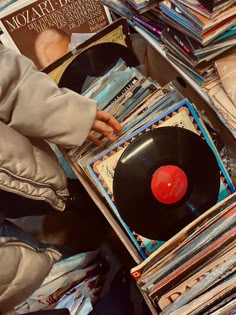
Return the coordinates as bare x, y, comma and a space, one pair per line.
116, 32
190, 258
180, 264
203, 300
212, 5
68, 23
144, 112
225, 307
196, 302
171, 295
120, 7
101, 169
211, 270
170, 249
222, 297
202, 22
204, 31
185, 68
200, 8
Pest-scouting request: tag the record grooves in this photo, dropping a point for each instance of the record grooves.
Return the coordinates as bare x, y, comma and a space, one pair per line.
164, 180
95, 61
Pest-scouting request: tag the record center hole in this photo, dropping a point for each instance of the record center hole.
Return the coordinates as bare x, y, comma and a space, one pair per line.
169, 184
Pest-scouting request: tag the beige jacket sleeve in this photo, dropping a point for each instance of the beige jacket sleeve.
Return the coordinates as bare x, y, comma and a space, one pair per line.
32, 104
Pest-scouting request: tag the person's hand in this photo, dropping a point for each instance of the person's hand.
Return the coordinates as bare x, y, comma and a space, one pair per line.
106, 125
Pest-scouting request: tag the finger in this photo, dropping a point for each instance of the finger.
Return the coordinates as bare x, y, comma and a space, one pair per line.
95, 140
110, 120
102, 127
109, 136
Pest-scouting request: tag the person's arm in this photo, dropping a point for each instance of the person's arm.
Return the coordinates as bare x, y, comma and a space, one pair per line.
32, 104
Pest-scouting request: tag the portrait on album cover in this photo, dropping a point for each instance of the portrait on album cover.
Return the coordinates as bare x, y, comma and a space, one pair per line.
52, 43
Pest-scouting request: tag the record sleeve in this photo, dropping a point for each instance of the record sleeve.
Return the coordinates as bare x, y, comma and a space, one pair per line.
172, 246
117, 32
171, 295
101, 168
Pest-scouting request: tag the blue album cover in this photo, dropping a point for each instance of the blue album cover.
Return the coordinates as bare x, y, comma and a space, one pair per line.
102, 167
180, 19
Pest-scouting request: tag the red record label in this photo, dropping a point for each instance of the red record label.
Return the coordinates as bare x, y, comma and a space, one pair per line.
169, 184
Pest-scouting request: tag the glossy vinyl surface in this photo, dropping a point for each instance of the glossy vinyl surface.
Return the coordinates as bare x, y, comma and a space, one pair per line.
95, 61
134, 198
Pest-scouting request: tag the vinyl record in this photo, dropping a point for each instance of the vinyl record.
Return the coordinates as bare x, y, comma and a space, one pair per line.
95, 61
164, 180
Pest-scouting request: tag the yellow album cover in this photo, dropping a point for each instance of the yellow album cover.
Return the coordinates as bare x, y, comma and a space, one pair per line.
116, 32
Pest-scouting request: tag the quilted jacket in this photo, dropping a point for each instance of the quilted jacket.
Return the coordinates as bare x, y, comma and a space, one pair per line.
33, 109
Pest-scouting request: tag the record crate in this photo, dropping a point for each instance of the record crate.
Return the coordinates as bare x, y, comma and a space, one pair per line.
154, 65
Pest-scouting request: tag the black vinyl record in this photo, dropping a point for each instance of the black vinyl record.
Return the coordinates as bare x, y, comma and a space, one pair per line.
95, 61
164, 180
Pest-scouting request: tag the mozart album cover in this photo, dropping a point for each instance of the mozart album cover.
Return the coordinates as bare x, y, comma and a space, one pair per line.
52, 28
